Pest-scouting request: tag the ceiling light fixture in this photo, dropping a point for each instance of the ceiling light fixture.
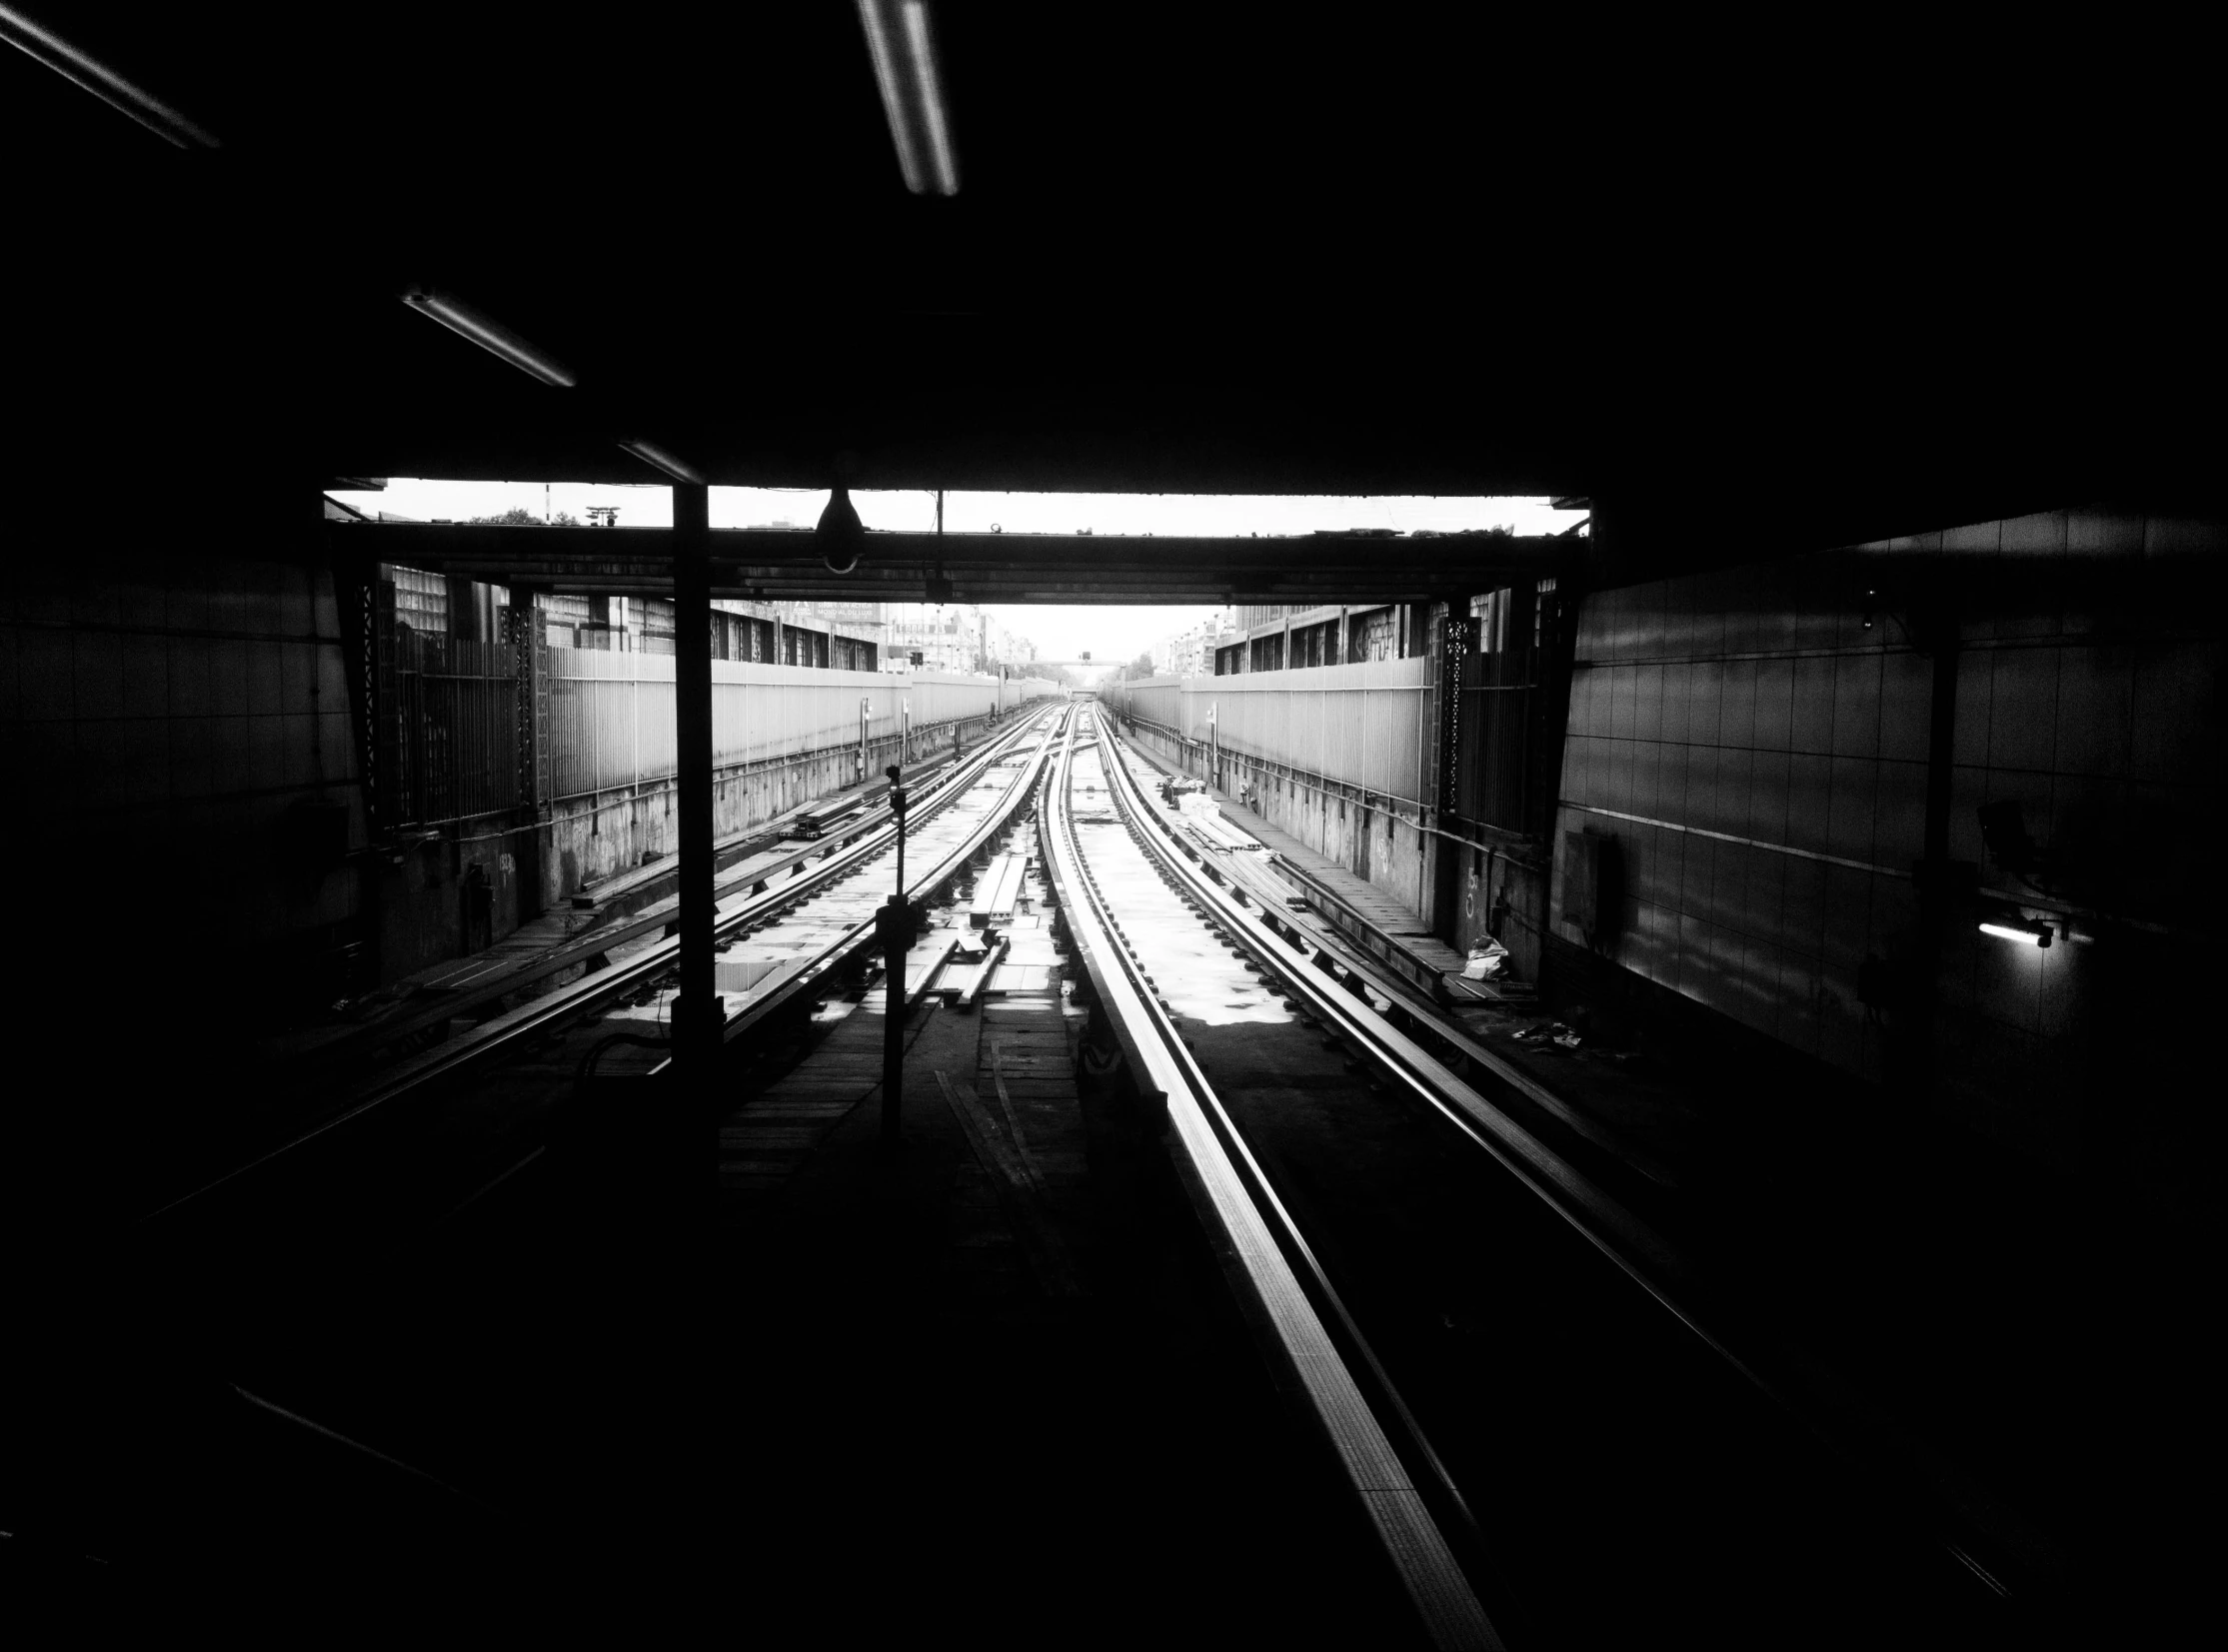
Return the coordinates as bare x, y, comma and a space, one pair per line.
664, 458
491, 336
102, 81
2013, 929
904, 53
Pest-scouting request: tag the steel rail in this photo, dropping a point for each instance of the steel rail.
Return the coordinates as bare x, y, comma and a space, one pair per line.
808, 968
1635, 1248
1605, 1222
1260, 1238
863, 933
865, 816
596, 991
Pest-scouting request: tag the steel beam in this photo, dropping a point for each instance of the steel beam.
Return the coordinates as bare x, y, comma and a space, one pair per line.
1307, 569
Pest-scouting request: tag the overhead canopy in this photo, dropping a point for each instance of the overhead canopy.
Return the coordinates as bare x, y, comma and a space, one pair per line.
980, 568
1795, 290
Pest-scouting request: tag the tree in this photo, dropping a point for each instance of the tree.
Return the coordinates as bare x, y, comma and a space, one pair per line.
520, 517
1142, 666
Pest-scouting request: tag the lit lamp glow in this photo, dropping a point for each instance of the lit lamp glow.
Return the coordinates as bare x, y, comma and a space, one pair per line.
2012, 928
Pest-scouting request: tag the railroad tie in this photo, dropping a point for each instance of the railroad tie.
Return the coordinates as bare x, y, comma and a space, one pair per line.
1020, 1190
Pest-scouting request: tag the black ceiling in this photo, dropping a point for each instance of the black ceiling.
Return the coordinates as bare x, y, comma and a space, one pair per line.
1834, 279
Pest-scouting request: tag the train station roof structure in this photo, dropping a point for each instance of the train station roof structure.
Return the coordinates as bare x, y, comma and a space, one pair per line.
982, 568
1844, 286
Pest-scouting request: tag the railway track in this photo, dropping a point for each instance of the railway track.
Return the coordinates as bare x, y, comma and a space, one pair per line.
404, 1375
1511, 1369
416, 1124
1506, 1368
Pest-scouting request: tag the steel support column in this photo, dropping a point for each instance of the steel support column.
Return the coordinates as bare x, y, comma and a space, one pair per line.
697, 1016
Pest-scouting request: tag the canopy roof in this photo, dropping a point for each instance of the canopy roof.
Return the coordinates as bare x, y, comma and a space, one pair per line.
1788, 291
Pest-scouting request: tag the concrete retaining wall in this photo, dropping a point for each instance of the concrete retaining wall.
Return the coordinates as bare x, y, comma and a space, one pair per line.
588, 839
1337, 821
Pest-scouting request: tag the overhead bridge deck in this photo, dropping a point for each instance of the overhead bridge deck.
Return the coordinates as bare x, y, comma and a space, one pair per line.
980, 568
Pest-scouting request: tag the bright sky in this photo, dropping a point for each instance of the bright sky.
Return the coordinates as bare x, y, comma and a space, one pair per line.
1115, 636
1112, 634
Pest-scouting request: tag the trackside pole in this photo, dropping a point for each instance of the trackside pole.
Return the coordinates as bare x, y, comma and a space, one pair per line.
893, 928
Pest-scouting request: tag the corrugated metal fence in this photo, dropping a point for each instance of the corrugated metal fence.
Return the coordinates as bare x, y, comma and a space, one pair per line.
1361, 724
611, 714
451, 739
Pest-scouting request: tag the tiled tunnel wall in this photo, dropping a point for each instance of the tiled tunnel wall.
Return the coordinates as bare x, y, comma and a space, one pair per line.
1759, 754
161, 713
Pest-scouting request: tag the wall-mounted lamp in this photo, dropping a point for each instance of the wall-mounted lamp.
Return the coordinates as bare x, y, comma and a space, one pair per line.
2017, 928
491, 336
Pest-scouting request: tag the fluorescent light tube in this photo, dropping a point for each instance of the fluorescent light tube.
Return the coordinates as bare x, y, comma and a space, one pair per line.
491, 336
904, 53
943, 166
102, 81
2034, 935
664, 458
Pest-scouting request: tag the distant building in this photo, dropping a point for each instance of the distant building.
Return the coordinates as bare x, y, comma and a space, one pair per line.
946, 636
1275, 637
1191, 652
951, 637
788, 633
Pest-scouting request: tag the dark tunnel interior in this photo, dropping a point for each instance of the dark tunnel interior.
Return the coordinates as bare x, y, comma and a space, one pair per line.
1724, 995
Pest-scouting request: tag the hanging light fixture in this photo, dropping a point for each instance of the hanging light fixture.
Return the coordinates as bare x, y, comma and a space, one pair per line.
840, 536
